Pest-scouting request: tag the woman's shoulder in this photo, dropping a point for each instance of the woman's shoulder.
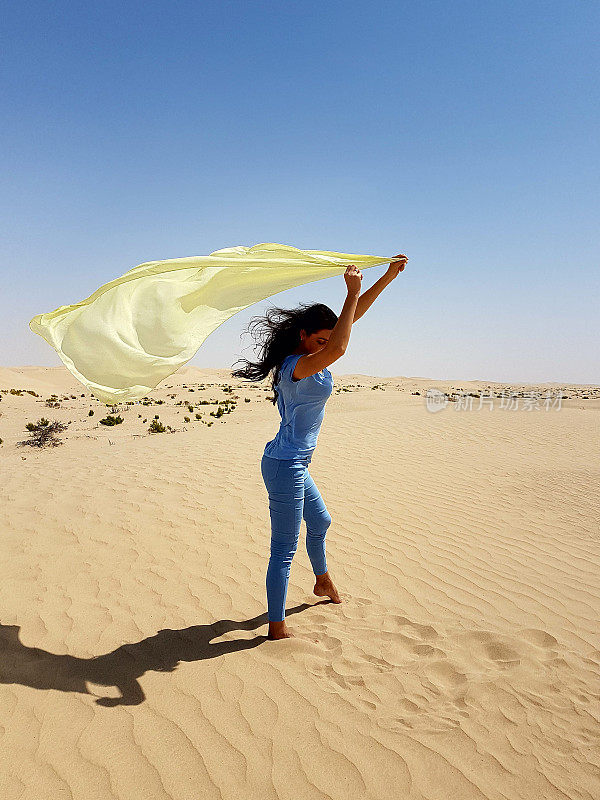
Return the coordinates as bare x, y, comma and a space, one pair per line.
291, 362
288, 359
288, 365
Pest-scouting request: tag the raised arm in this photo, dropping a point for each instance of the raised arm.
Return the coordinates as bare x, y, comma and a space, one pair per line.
368, 297
335, 348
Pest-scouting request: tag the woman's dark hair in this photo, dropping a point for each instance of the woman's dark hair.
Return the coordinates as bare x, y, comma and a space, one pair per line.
278, 335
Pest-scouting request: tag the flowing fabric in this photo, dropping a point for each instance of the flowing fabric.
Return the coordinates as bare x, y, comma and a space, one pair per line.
134, 331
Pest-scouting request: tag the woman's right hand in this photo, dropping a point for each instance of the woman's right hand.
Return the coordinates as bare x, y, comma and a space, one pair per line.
353, 278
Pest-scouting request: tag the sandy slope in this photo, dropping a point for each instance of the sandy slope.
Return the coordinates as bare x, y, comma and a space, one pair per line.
464, 661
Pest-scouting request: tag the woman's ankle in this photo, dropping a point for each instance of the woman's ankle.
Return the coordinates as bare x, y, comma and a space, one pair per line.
278, 630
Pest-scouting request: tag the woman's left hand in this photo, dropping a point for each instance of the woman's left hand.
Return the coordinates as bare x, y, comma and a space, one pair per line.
397, 265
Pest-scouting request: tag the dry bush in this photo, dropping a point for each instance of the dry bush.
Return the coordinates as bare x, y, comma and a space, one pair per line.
43, 433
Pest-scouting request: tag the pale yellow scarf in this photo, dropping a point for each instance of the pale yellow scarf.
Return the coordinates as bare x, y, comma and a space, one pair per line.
134, 331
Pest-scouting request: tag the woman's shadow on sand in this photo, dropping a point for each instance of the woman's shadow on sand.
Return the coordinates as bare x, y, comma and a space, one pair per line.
31, 666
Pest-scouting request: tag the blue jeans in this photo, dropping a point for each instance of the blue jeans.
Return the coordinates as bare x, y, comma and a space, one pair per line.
293, 495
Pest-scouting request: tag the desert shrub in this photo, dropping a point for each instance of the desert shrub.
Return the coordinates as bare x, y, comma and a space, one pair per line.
156, 426
110, 420
43, 433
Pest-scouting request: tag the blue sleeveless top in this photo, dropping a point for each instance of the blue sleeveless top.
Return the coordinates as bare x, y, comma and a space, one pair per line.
301, 404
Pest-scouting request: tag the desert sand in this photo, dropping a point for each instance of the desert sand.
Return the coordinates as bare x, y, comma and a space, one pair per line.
463, 662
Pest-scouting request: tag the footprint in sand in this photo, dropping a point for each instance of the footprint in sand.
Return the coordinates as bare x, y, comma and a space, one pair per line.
538, 638
443, 675
501, 653
422, 632
487, 647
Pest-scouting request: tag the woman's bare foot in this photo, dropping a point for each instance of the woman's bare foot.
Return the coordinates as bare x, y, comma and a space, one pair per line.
279, 630
324, 588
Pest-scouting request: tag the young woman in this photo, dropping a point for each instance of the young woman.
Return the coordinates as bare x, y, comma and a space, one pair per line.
299, 345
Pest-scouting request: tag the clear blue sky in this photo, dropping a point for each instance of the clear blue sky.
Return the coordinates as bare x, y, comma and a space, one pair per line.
464, 134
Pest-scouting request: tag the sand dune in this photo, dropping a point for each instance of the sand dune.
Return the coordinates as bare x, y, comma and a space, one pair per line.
463, 662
